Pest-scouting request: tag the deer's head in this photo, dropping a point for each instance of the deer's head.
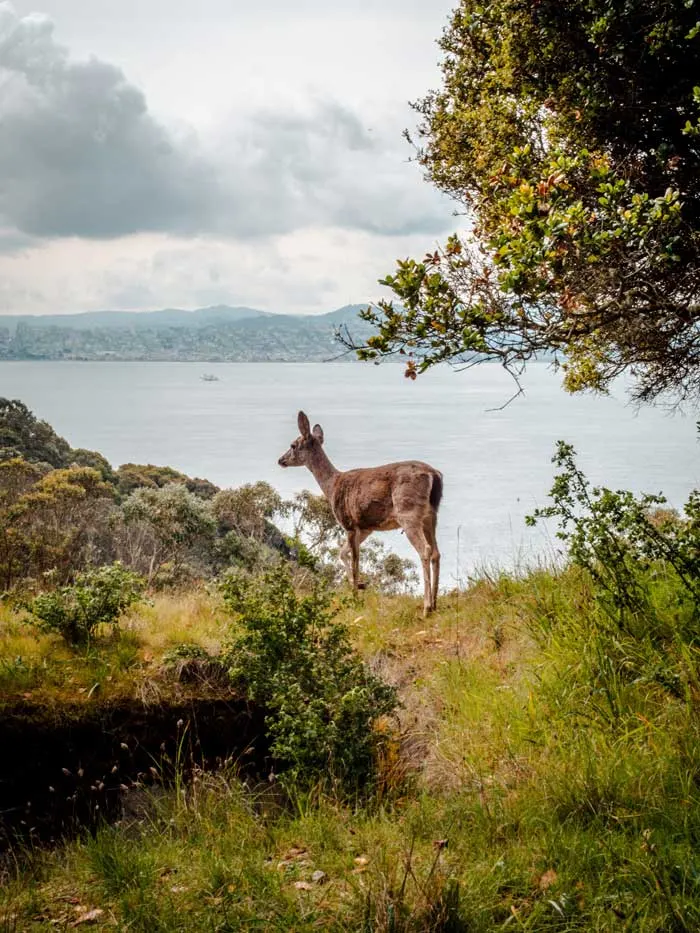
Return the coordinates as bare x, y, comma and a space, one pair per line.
302, 449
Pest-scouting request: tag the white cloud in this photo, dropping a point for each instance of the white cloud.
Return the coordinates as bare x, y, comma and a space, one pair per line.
294, 192
308, 271
82, 155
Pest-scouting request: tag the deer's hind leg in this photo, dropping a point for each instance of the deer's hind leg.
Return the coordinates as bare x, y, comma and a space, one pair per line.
429, 528
415, 532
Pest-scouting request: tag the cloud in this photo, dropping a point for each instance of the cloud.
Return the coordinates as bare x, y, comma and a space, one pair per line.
81, 155
307, 271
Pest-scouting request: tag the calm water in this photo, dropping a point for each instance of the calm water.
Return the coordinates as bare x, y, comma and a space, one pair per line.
496, 463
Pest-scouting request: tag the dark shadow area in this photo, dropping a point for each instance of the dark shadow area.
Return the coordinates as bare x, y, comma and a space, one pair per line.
67, 769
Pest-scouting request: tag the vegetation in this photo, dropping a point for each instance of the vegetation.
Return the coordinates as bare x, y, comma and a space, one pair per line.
295, 661
540, 771
64, 511
529, 756
97, 597
569, 135
535, 780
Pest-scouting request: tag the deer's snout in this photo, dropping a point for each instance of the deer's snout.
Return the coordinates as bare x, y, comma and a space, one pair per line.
282, 460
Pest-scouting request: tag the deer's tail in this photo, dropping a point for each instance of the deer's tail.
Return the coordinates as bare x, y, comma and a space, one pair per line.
436, 491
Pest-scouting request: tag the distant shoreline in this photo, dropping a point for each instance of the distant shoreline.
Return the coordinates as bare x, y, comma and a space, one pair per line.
208, 362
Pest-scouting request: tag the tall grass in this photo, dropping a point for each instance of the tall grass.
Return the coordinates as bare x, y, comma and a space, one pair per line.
549, 779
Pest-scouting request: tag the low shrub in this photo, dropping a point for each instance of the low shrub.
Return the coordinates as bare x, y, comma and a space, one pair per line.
96, 597
290, 656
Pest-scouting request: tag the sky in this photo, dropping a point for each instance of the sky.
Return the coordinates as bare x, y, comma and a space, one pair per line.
164, 153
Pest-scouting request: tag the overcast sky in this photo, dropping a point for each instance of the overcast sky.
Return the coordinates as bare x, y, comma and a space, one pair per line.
166, 153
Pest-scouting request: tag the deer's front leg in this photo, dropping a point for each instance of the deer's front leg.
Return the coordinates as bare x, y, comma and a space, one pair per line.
346, 557
350, 555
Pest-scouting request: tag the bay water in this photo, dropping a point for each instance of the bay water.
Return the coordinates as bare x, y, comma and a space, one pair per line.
496, 463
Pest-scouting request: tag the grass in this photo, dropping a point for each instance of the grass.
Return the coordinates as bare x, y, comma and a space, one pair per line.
547, 777
125, 662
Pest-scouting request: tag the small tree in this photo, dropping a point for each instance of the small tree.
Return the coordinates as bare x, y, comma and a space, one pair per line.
248, 510
620, 538
165, 525
131, 476
23, 434
52, 521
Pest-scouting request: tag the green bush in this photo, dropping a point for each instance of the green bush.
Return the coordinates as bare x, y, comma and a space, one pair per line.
635, 551
641, 631
322, 702
97, 597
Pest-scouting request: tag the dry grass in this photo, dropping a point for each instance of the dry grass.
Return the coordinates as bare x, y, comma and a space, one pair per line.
459, 675
170, 619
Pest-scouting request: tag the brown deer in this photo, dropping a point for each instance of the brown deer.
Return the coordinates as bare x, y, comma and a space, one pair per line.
398, 495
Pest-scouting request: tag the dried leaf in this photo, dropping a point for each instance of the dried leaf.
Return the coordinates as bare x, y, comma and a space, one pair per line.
90, 916
547, 879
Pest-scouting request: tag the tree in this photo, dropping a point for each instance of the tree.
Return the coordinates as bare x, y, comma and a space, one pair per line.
22, 434
53, 521
131, 476
570, 133
248, 537
248, 510
165, 525
91, 458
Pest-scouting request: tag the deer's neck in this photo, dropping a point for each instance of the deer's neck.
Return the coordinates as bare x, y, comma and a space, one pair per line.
324, 472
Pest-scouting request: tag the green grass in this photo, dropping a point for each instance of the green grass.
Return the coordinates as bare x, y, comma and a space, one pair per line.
546, 776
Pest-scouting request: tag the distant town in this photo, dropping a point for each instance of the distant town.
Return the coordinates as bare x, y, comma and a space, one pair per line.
216, 334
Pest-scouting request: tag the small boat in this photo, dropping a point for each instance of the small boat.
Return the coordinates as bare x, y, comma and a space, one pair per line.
209, 377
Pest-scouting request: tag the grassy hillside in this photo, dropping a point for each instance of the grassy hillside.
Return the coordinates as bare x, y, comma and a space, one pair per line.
543, 774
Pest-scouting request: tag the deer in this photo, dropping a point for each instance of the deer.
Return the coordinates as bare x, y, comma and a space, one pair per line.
402, 495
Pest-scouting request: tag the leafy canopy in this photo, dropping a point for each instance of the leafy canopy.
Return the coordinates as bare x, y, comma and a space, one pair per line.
570, 134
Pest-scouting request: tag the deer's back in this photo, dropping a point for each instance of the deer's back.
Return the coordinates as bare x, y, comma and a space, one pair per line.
374, 497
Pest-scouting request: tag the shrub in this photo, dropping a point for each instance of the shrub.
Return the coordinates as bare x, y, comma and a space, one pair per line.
97, 597
322, 702
191, 663
641, 631
626, 543
166, 525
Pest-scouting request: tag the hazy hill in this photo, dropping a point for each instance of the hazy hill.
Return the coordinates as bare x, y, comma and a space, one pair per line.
219, 333
166, 317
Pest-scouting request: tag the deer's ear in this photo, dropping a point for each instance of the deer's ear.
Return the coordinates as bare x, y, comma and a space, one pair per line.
318, 433
304, 427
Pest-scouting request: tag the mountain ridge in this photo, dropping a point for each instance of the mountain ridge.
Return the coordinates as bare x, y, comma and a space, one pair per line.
166, 317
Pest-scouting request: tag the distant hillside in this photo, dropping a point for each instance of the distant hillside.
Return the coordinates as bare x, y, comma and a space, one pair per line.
219, 333
166, 317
